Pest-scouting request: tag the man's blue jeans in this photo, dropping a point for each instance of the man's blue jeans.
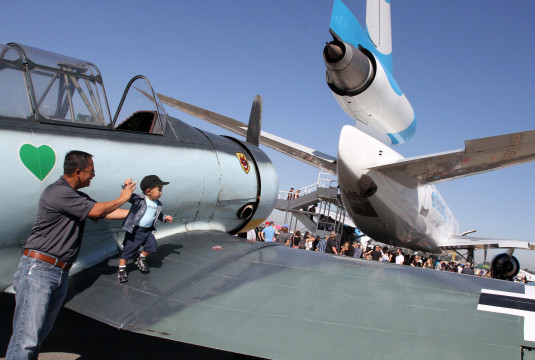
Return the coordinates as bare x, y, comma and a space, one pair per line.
40, 292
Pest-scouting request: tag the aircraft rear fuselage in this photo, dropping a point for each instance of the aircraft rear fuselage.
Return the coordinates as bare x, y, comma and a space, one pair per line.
416, 218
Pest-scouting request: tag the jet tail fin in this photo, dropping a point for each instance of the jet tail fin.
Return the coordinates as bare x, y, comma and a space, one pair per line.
377, 38
378, 24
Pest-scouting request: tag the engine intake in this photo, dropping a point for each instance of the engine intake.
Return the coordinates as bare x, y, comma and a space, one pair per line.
505, 267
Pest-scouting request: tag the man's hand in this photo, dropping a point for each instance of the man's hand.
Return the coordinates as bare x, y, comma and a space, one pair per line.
168, 219
128, 189
102, 209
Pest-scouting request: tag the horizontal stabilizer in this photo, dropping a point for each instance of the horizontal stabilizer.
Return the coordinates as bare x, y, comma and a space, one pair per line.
300, 152
465, 242
480, 155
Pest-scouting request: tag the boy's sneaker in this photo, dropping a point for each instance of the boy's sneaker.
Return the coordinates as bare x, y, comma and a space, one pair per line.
122, 276
141, 263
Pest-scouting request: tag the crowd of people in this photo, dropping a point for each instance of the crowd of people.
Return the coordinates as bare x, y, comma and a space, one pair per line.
329, 244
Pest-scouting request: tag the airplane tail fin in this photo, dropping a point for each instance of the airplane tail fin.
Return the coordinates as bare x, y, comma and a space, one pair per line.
378, 24
378, 35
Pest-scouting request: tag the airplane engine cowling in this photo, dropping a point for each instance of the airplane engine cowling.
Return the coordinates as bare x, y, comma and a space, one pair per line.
238, 187
367, 92
349, 70
505, 267
254, 214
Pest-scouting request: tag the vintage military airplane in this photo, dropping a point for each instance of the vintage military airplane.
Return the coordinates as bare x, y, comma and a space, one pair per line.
391, 199
206, 286
51, 104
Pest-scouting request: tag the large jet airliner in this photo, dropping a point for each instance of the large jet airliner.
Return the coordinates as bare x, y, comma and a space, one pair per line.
391, 199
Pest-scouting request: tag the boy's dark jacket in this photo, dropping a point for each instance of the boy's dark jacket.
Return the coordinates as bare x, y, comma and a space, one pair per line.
139, 206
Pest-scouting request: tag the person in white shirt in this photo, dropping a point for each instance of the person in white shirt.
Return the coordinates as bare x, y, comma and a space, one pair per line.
400, 258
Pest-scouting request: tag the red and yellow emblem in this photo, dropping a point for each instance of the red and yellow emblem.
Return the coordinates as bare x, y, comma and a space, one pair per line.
243, 162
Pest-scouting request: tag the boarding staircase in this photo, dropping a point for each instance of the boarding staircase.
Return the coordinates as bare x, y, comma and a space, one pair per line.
329, 214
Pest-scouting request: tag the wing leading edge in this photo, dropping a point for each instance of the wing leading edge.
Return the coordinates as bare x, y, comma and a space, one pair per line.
215, 290
480, 155
465, 242
300, 152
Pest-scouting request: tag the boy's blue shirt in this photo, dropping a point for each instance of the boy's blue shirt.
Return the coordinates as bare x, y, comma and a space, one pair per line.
137, 210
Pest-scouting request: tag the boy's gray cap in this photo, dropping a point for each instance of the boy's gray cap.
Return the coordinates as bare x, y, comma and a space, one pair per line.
151, 181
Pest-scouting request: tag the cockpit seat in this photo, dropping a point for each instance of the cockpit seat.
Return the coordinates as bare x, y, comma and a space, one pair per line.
140, 121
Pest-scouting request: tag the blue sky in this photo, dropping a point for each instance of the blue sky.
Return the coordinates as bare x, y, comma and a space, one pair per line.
465, 66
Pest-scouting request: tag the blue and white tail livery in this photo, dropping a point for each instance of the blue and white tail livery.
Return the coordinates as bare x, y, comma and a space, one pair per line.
367, 54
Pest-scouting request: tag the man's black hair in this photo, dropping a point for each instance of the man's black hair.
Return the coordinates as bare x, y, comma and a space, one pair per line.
75, 159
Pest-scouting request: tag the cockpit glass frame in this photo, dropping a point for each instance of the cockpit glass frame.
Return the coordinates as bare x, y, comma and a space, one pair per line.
15, 98
59, 88
140, 110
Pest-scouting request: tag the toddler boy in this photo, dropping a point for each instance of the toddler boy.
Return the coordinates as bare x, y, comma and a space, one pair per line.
140, 225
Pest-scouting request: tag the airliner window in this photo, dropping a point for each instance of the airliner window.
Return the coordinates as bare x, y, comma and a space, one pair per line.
14, 97
140, 110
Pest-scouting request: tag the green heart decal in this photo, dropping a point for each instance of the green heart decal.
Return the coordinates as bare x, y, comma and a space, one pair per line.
39, 160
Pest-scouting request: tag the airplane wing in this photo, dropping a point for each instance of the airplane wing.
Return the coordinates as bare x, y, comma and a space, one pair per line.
472, 242
310, 156
480, 155
215, 290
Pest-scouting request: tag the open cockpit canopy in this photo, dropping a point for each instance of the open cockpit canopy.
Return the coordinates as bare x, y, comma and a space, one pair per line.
48, 87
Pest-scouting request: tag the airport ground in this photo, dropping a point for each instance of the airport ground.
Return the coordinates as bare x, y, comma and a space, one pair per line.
75, 336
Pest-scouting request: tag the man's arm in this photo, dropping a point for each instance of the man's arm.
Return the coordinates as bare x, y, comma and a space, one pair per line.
102, 209
118, 214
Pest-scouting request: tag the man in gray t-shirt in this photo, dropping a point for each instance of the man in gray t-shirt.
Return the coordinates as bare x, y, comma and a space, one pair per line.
41, 279
54, 233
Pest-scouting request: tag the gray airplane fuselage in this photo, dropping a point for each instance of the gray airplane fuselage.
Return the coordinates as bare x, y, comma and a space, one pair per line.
207, 184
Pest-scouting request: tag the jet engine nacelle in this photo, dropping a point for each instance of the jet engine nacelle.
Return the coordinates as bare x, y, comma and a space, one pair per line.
367, 92
505, 267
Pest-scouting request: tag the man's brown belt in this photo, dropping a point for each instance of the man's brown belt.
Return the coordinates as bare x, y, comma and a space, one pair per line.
49, 259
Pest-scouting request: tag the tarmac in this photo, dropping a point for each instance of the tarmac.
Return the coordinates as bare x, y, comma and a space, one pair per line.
75, 336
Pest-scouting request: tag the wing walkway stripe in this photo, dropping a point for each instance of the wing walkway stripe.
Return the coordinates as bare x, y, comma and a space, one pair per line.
509, 302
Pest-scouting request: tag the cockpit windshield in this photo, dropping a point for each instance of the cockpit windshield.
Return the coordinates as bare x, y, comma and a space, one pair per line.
140, 109
46, 87
14, 97
50, 86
